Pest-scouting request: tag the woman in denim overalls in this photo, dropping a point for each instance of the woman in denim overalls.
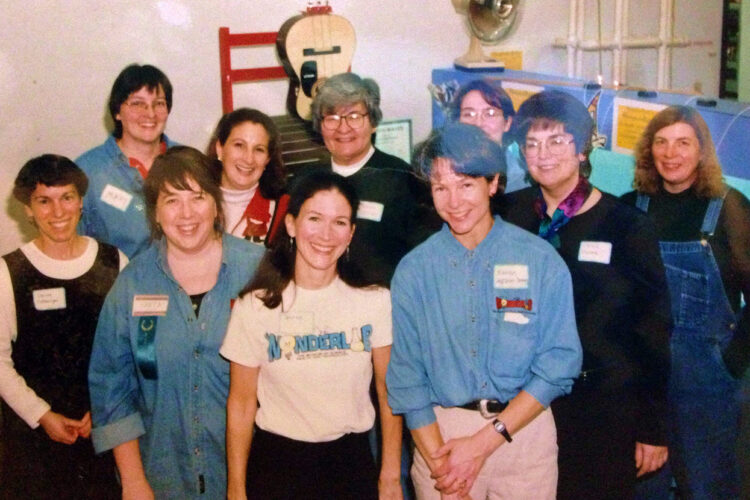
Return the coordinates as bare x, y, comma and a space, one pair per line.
704, 228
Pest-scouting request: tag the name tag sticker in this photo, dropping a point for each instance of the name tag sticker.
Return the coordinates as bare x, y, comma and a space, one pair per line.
515, 317
511, 276
370, 210
595, 251
297, 323
150, 305
49, 299
116, 197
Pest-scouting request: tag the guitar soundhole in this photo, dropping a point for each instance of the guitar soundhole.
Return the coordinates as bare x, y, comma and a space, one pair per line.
308, 76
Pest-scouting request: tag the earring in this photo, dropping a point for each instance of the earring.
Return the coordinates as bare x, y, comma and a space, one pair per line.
291, 242
346, 254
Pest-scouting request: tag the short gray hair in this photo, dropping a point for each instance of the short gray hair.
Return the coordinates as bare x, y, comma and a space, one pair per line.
345, 89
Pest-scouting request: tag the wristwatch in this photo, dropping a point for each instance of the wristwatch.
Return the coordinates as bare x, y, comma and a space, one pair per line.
501, 429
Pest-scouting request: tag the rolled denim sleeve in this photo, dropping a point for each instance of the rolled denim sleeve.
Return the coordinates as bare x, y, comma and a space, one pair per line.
113, 382
407, 379
559, 354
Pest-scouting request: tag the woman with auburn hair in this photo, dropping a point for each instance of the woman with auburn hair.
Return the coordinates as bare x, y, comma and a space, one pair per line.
709, 181
704, 231
158, 385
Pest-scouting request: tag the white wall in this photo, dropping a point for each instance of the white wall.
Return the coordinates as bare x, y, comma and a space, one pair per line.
58, 61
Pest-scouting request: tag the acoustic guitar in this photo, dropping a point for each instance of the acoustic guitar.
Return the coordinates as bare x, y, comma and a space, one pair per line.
313, 46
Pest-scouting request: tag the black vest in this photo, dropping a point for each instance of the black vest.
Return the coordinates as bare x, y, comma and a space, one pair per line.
53, 347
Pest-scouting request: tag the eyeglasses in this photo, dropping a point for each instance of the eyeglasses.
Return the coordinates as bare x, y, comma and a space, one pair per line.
354, 120
159, 105
556, 145
470, 114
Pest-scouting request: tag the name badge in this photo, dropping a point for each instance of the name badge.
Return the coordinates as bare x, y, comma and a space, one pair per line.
515, 317
49, 299
150, 305
297, 323
595, 251
116, 197
370, 210
511, 276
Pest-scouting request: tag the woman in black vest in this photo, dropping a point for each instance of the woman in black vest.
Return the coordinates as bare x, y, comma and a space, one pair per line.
51, 291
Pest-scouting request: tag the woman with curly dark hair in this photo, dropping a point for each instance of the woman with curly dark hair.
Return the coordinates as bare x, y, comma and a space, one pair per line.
245, 150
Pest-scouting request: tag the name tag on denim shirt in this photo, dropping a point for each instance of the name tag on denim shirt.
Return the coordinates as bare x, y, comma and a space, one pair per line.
150, 305
49, 299
116, 197
595, 251
370, 210
510, 276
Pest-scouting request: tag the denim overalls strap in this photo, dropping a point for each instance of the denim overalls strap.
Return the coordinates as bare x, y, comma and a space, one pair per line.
703, 395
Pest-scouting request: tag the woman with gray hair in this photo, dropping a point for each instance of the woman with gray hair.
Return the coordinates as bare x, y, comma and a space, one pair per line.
390, 220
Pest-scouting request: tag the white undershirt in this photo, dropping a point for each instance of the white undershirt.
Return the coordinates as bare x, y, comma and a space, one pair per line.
13, 389
234, 205
349, 170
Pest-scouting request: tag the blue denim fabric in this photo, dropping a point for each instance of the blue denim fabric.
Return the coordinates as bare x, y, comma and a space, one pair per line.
179, 417
126, 229
516, 171
704, 397
452, 343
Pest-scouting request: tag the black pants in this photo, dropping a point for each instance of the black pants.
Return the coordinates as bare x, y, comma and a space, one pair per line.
32, 466
282, 468
596, 433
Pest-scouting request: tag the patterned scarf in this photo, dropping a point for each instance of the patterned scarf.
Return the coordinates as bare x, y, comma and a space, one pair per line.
567, 209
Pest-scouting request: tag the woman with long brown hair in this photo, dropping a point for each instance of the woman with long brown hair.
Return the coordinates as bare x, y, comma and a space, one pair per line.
704, 232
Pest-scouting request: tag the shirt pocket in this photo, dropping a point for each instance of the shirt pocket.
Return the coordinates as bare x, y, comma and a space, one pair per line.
512, 344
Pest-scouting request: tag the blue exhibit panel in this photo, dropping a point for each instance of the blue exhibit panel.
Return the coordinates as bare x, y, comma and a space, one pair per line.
728, 121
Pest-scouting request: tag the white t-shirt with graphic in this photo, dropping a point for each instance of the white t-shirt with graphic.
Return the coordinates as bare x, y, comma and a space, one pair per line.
314, 354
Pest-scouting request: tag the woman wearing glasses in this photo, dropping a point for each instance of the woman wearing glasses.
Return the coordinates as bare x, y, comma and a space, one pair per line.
346, 111
484, 104
611, 428
114, 210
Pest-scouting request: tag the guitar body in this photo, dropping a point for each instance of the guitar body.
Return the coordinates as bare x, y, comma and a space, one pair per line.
312, 47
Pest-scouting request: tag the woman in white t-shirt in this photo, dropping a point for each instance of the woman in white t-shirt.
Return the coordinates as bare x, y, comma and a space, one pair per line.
246, 153
303, 343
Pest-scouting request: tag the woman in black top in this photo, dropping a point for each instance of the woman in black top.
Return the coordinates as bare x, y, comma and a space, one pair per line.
611, 427
704, 232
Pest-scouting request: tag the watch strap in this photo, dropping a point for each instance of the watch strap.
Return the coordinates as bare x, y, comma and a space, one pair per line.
501, 429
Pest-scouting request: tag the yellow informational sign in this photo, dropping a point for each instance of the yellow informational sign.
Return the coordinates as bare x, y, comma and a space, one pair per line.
629, 121
519, 92
513, 59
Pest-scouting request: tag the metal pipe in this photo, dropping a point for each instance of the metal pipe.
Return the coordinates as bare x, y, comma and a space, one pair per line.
571, 42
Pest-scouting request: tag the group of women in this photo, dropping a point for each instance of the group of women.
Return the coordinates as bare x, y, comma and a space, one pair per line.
214, 369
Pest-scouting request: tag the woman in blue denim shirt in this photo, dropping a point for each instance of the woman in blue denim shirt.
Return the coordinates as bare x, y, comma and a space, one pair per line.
158, 385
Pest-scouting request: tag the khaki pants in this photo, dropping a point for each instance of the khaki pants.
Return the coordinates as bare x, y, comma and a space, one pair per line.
523, 469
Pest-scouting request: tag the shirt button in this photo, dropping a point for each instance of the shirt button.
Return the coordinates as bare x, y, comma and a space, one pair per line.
196, 420
203, 326
473, 353
195, 387
484, 385
197, 451
473, 319
733, 326
472, 283
196, 354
